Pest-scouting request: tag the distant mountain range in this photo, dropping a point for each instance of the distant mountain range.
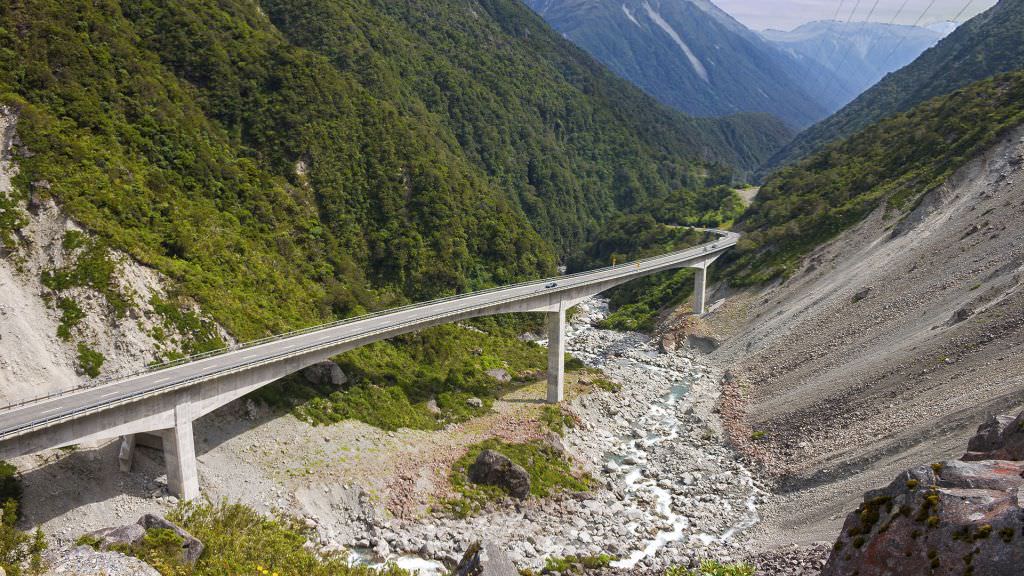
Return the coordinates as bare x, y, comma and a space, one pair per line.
695, 57
858, 54
688, 54
988, 44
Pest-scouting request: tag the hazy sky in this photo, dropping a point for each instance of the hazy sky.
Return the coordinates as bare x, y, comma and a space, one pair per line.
788, 14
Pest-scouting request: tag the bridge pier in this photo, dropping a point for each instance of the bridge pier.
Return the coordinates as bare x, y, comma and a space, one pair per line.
180, 454
556, 355
127, 453
699, 288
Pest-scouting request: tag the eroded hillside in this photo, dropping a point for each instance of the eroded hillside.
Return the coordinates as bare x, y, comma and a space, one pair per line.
885, 348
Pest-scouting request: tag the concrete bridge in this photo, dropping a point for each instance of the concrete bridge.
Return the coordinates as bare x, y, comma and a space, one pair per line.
164, 401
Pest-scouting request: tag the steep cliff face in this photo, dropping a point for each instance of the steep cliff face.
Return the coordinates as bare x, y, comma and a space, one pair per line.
53, 337
885, 348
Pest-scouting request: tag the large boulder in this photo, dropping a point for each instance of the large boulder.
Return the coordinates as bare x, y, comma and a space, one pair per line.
951, 518
132, 534
325, 374
999, 438
495, 469
191, 547
485, 560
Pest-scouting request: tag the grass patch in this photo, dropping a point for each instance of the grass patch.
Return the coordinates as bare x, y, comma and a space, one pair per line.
89, 360
392, 382
712, 568
90, 267
556, 419
238, 540
549, 473
199, 334
576, 564
70, 316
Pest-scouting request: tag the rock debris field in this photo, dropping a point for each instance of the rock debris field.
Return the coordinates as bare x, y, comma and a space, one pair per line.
666, 489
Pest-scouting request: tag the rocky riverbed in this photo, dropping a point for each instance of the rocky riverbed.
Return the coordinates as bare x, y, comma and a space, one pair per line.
668, 491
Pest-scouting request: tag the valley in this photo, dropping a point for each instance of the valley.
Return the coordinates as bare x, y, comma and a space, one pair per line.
500, 287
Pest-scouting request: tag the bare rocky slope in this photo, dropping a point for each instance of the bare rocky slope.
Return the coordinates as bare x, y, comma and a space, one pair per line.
884, 350
34, 360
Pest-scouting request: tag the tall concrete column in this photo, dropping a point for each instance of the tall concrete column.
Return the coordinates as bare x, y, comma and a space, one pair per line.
180, 453
556, 355
699, 287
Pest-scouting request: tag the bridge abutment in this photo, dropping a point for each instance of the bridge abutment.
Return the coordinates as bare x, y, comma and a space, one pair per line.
556, 354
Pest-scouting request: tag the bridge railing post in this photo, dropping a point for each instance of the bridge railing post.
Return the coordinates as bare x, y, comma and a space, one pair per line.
180, 453
556, 354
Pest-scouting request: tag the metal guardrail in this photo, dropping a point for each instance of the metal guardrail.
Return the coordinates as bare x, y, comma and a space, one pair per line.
730, 239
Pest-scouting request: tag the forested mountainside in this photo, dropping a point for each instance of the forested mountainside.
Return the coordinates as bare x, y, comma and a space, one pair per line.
894, 161
284, 163
691, 55
858, 54
988, 44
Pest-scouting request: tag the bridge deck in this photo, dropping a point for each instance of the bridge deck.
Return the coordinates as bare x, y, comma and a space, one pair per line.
20, 419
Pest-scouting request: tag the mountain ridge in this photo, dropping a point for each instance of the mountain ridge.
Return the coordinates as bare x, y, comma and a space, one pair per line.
690, 55
983, 46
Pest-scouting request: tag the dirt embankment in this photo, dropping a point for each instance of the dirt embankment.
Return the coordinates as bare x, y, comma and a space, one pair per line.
886, 350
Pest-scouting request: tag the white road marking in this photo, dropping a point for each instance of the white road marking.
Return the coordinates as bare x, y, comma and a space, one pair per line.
162, 380
110, 393
50, 410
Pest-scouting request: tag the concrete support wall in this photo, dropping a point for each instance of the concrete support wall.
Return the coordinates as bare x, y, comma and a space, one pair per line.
699, 288
180, 453
556, 355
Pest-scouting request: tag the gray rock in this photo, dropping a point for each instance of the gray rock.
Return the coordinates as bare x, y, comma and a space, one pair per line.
931, 519
119, 536
495, 469
325, 374
485, 560
475, 402
554, 441
132, 534
862, 293
191, 547
499, 374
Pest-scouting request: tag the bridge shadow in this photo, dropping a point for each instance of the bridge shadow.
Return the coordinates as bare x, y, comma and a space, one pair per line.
71, 483
524, 400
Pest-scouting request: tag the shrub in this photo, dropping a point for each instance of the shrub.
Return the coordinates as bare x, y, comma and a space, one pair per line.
20, 553
89, 360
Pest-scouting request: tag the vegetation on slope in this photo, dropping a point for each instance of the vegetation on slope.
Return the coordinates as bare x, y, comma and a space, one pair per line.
549, 473
892, 162
663, 226
20, 553
238, 540
290, 163
988, 44
392, 383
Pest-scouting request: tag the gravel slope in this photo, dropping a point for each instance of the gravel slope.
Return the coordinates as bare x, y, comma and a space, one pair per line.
885, 350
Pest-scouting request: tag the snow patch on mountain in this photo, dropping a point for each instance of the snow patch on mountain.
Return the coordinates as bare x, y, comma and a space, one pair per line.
698, 67
629, 14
